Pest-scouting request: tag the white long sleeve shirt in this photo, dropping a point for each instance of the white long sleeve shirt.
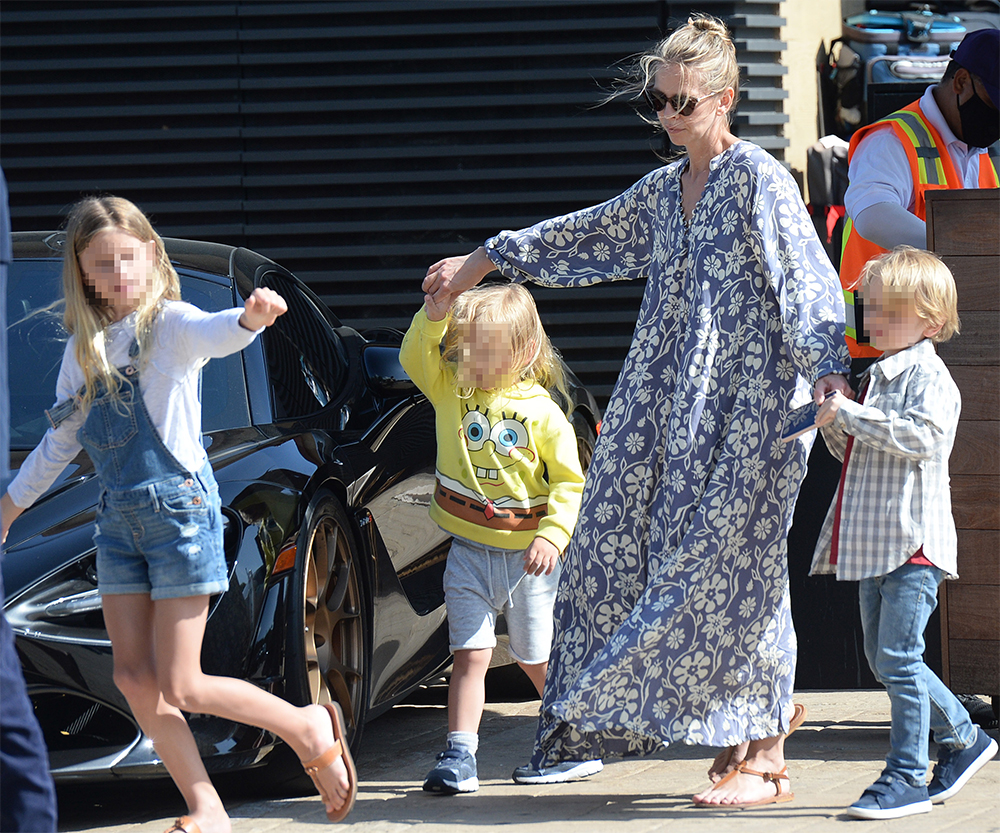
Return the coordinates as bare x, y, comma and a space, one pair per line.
185, 337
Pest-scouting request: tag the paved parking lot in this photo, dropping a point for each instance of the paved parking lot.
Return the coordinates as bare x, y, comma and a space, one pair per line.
832, 758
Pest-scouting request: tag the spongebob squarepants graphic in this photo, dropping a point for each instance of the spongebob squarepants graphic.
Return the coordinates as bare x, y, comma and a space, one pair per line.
494, 501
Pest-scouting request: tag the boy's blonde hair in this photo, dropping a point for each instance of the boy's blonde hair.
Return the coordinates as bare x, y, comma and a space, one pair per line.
933, 285
87, 320
532, 355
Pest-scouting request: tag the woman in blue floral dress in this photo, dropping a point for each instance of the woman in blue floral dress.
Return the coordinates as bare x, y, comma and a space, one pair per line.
673, 621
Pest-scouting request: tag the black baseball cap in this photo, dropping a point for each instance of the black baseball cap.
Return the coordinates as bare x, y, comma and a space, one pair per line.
979, 53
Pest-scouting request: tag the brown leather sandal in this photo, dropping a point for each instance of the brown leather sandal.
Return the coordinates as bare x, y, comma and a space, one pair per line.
774, 777
724, 758
341, 750
185, 824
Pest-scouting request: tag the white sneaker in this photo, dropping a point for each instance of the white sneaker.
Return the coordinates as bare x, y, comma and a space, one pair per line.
558, 774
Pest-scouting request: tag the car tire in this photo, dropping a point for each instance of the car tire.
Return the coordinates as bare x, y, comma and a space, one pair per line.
329, 651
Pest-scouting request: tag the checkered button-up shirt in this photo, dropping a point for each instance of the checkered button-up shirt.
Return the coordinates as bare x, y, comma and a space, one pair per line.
896, 495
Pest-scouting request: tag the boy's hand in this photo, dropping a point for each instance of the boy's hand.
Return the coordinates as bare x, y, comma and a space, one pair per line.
9, 512
826, 385
540, 557
262, 308
828, 410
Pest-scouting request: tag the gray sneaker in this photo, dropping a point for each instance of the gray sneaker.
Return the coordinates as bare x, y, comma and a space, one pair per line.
455, 773
558, 774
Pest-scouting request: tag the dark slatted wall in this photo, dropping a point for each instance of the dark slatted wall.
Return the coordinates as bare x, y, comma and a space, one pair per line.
354, 142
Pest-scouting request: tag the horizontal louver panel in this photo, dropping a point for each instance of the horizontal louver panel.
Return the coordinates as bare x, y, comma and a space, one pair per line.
354, 142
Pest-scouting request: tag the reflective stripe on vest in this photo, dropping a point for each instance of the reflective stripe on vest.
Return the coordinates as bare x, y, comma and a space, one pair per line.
930, 169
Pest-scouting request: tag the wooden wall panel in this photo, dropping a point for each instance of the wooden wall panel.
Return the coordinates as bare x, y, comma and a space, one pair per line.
974, 666
974, 501
964, 227
980, 389
977, 448
978, 556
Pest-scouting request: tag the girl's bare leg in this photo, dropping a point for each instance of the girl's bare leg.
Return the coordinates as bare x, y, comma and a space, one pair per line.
129, 621
767, 755
179, 626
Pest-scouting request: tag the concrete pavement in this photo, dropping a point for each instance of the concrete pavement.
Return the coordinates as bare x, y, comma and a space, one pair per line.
836, 754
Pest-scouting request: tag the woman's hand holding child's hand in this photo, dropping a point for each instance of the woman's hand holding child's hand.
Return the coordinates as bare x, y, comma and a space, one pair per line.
540, 557
437, 310
262, 308
452, 276
828, 410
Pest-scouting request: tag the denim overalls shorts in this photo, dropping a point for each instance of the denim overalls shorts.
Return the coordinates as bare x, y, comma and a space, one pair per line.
159, 526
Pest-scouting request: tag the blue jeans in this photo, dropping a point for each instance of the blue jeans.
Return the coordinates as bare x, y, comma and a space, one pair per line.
894, 612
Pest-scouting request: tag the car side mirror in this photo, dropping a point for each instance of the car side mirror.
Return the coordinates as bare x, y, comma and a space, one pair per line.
384, 375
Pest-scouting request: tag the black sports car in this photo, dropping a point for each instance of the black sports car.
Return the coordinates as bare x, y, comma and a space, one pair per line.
324, 453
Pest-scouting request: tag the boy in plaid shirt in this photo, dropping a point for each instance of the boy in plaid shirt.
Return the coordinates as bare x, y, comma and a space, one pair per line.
891, 529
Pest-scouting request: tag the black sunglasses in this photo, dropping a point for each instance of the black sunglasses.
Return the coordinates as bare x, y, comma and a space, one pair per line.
658, 101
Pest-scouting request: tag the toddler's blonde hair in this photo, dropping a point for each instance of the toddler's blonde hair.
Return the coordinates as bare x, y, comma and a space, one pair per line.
87, 320
933, 285
532, 355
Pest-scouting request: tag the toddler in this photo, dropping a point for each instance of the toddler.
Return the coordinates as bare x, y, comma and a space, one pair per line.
508, 489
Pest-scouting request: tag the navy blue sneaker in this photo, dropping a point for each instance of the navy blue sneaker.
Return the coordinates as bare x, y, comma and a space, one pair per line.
455, 773
956, 766
890, 797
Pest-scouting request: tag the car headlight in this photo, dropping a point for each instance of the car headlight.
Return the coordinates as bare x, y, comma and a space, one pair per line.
62, 606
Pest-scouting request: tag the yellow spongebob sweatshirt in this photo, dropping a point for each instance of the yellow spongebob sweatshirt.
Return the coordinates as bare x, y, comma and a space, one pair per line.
507, 462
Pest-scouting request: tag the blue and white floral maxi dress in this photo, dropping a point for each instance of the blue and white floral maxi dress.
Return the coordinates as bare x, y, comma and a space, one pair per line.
673, 620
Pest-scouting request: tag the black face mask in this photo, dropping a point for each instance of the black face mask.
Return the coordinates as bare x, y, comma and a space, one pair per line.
980, 122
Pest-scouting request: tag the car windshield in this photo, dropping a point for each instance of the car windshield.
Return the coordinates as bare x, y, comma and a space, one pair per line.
36, 340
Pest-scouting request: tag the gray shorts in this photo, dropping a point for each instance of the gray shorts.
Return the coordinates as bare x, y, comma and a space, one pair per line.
481, 582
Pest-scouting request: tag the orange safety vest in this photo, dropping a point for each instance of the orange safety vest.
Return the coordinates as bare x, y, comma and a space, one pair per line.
932, 168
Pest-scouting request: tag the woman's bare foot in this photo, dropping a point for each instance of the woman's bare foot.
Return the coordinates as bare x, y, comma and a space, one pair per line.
726, 761
332, 781
211, 818
730, 757
742, 787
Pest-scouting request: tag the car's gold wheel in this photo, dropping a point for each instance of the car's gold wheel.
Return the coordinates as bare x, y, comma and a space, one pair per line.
334, 608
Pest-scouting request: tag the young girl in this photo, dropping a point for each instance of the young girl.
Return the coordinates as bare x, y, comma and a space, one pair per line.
508, 488
128, 394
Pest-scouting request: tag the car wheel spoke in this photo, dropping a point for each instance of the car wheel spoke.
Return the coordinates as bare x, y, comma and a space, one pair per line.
334, 637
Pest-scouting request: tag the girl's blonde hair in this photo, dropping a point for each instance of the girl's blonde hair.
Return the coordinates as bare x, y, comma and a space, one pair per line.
88, 320
532, 355
701, 49
931, 282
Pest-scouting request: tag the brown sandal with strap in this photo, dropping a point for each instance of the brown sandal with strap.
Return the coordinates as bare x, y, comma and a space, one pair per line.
338, 750
798, 718
185, 824
774, 777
